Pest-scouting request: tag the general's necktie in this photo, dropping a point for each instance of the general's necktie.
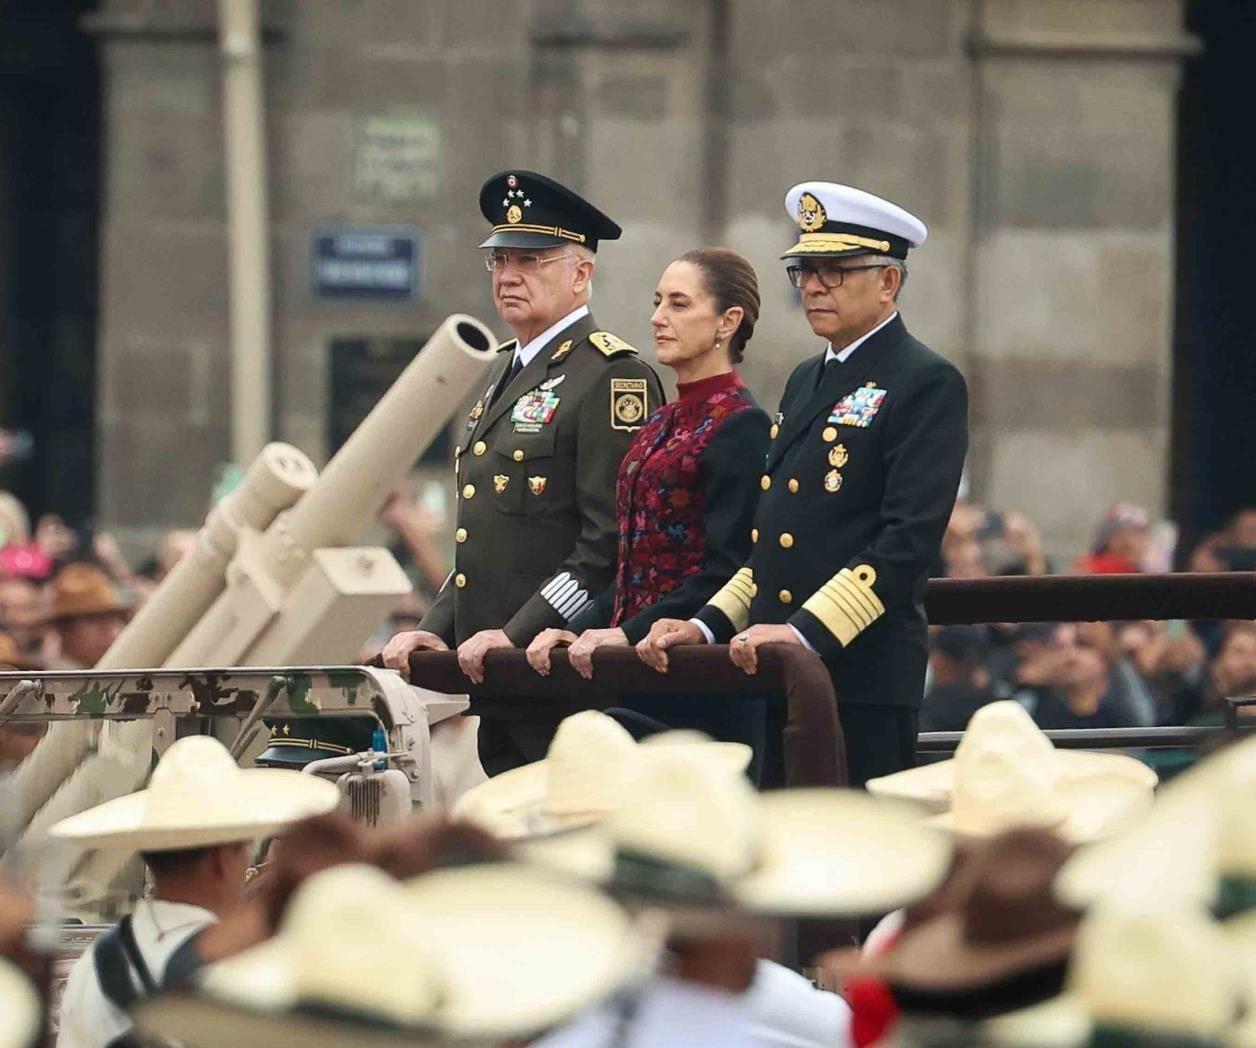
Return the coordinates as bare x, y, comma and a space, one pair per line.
516, 365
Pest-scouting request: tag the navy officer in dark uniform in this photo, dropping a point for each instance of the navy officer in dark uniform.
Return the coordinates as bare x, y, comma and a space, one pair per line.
536, 535
858, 485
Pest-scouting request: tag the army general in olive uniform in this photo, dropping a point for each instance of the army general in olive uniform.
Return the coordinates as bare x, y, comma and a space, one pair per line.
536, 533
858, 485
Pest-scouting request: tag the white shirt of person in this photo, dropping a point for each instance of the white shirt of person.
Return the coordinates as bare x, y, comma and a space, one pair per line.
526, 354
781, 1009
829, 356
88, 1018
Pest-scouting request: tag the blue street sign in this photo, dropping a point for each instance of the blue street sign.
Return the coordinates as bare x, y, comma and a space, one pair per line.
366, 262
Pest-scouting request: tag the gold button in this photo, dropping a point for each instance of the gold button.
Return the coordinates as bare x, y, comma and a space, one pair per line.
754, 534
460, 580
468, 491
765, 482
518, 456
480, 448
786, 597
829, 433
787, 539
774, 431
460, 535
793, 484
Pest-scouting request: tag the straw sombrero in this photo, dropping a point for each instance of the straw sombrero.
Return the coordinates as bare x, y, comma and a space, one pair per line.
478, 953
1007, 773
82, 589
1197, 844
695, 834
19, 1008
198, 797
587, 773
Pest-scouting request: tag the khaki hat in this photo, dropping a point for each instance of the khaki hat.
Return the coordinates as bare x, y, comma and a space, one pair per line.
81, 589
1004, 943
695, 834
1006, 773
198, 797
19, 1008
587, 773
1197, 844
484, 952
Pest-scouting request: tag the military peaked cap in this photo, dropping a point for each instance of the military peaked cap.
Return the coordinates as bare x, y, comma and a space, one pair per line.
530, 210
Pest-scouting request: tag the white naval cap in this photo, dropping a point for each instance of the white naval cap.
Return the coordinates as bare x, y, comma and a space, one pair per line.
839, 220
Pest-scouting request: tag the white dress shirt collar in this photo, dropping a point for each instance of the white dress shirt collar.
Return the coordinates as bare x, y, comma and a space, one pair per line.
526, 353
846, 353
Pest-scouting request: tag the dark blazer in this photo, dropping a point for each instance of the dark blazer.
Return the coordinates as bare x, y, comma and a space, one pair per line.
857, 491
535, 472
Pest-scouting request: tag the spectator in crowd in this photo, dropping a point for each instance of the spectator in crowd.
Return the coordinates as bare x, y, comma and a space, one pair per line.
415, 525
1122, 543
1079, 680
1233, 548
981, 542
22, 615
960, 678
1231, 675
20, 557
86, 616
1170, 659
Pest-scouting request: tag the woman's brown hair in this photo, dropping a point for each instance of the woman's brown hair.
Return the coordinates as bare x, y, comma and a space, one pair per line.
731, 281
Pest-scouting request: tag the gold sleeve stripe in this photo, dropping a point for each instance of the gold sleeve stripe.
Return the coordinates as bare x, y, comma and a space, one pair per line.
734, 599
847, 604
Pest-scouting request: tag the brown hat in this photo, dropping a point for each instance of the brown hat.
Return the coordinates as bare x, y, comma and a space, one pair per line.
81, 589
1004, 942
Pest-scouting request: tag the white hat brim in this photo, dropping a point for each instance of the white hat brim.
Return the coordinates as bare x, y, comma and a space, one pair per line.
841, 853
1060, 1022
518, 951
933, 785
19, 1008
512, 805
824, 853
253, 803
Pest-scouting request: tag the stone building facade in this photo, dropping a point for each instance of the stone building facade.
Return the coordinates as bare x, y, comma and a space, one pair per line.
1035, 137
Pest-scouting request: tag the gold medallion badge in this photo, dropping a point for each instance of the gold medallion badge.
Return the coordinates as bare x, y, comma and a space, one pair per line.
629, 403
832, 481
536, 485
838, 456
811, 214
500, 480
513, 214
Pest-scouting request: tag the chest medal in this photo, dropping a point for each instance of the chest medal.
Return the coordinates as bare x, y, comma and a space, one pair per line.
859, 407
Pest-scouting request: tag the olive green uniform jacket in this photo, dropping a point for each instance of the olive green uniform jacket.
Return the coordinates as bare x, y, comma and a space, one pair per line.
536, 532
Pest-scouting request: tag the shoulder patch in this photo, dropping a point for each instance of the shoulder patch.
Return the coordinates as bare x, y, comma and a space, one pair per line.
610, 345
510, 343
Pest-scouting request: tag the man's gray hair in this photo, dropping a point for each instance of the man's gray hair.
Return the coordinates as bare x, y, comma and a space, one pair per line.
584, 254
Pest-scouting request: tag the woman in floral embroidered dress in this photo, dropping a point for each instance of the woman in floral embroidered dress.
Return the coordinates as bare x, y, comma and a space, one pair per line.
689, 481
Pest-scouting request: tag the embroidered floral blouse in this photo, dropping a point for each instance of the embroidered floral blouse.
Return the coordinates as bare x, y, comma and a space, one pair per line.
685, 500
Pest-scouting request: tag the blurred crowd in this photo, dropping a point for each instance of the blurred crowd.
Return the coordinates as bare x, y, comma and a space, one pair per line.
1090, 674
66, 593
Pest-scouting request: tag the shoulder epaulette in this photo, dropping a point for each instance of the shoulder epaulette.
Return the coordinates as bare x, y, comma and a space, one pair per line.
610, 345
510, 344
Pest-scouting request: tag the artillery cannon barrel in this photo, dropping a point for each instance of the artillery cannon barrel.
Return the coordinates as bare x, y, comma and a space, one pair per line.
383, 448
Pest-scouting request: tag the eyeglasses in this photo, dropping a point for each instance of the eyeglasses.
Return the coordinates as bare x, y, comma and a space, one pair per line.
524, 261
830, 273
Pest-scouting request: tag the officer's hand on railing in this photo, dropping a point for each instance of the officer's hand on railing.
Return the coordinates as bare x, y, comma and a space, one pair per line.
471, 652
744, 649
581, 653
664, 634
397, 651
543, 643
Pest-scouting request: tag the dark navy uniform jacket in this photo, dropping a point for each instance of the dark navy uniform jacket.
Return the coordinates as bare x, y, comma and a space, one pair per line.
858, 487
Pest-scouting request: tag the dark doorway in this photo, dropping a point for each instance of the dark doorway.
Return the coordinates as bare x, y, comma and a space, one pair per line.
1214, 389
49, 192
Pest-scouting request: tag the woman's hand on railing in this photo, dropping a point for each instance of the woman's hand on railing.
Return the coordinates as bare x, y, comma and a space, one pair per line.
664, 634
580, 654
538, 652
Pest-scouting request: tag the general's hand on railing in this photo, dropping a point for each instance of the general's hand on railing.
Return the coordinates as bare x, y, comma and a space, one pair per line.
664, 634
545, 642
397, 652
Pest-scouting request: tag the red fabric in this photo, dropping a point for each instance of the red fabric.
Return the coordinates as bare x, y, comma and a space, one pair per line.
25, 562
1104, 564
872, 1008
660, 495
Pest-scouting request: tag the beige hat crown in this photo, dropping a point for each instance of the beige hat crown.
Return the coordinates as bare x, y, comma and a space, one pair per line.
589, 764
